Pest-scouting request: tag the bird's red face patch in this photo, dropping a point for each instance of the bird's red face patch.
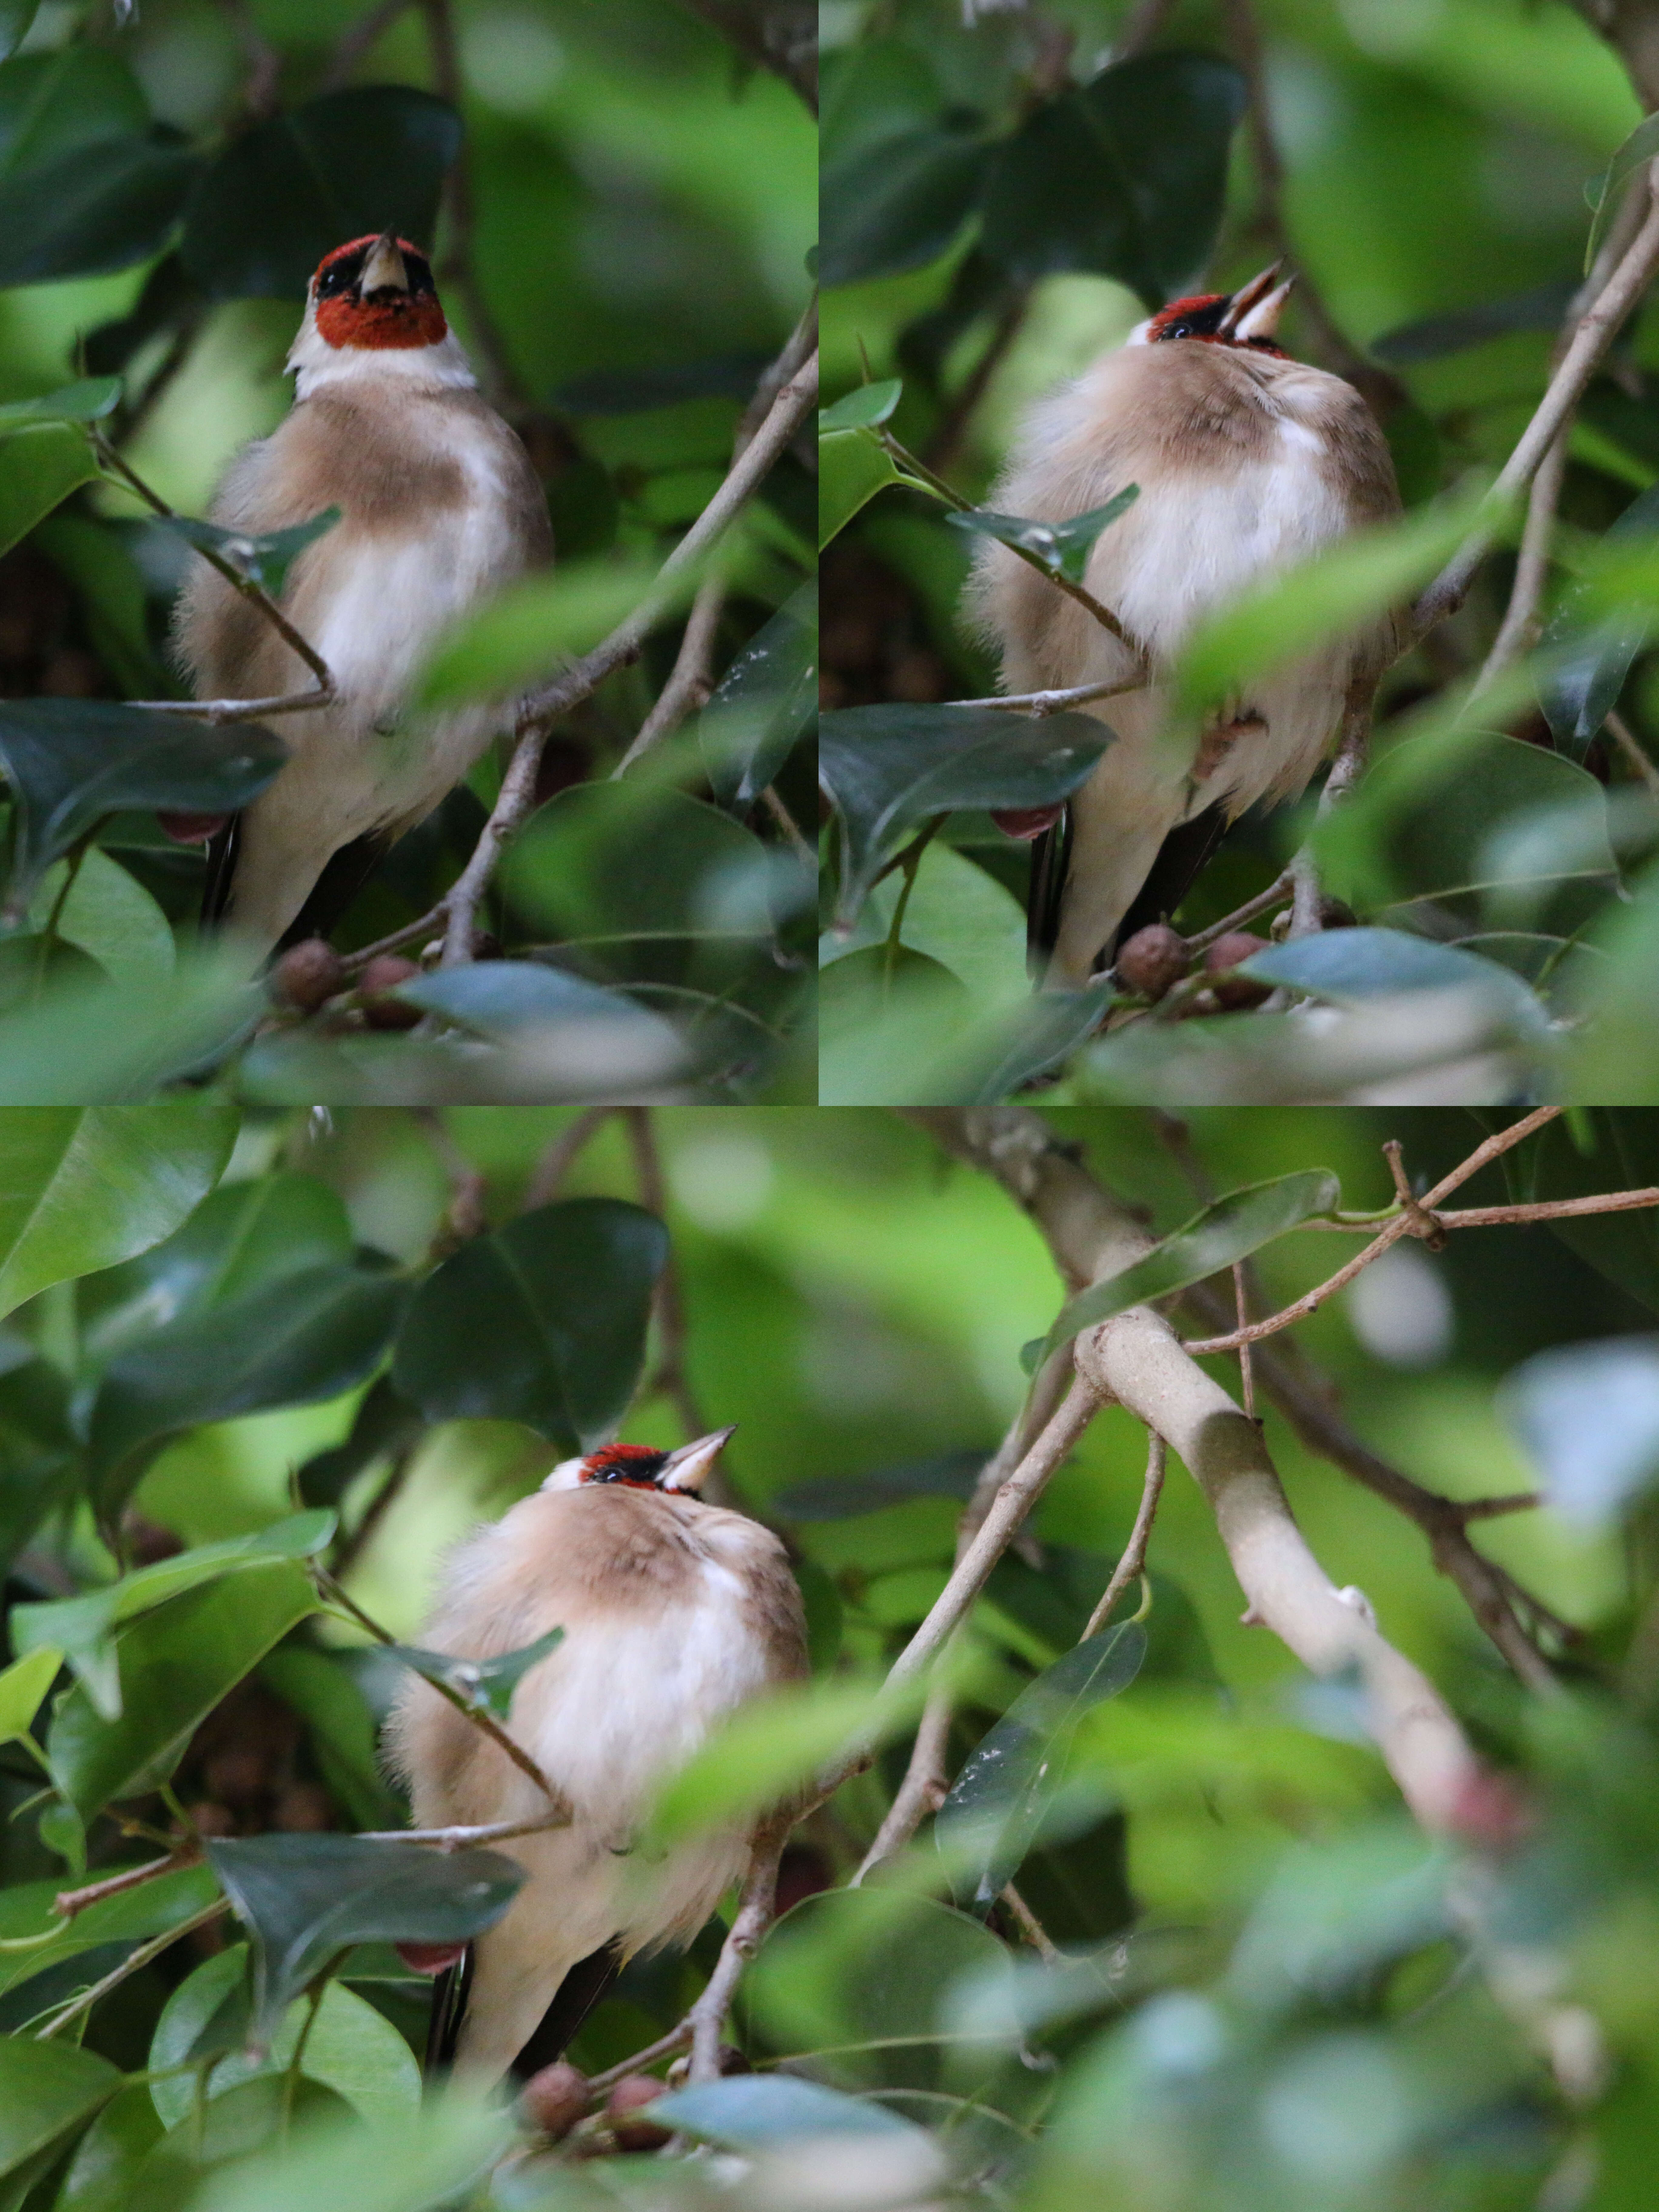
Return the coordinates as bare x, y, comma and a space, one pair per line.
384, 317
1204, 316
637, 1465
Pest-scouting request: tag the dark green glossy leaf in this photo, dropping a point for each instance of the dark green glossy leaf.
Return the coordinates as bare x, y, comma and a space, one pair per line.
99, 208
83, 1628
243, 1237
70, 762
1001, 1053
83, 1188
1231, 1229
1584, 684
1435, 335
842, 1497
488, 1683
898, 203
265, 561
542, 1321
1063, 548
16, 16
322, 1689
764, 702
304, 1899
1125, 175
339, 167
39, 470
175, 1665
88, 401
996, 1805
57, 103
45, 2089
382, 1428
888, 768
38, 1449
861, 408
104, 2171
505, 1000
1622, 1154
308, 1336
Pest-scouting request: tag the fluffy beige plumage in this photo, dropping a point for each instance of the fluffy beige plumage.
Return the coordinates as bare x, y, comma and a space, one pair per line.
673, 1614
1247, 462
440, 507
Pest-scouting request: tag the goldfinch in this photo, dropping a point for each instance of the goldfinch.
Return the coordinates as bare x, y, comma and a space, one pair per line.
438, 509
1247, 461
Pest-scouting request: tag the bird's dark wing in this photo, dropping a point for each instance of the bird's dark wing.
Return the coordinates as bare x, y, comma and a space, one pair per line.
1182, 856
221, 852
345, 876
575, 1997
1051, 855
443, 2029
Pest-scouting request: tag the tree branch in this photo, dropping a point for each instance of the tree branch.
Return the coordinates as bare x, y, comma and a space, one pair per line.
1134, 1561
707, 2018
541, 709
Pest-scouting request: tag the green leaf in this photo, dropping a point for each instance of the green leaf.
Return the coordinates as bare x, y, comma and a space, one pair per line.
755, 2112
108, 916
898, 204
154, 1908
103, 2173
306, 1337
1622, 1154
82, 1188
88, 401
296, 185
610, 861
1348, 966
1125, 175
304, 1899
843, 1497
855, 1981
82, 1629
175, 1665
535, 625
16, 16
23, 1686
382, 1428
996, 1806
575, 1027
264, 561
322, 1689
852, 467
46, 2089
888, 768
70, 762
1063, 548
861, 408
1638, 150
1231, 1229
39, 470
542, 1321
1580, 689
350, 2048
1340, 588
764, 704
488, 1683
100, 209
58, 103
437, 2157
958, 914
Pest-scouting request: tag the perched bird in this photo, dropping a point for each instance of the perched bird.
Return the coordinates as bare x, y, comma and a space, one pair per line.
1248, 461
673, 1612
438, 506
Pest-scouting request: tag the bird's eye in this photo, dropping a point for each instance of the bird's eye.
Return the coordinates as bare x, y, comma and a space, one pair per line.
1179, 330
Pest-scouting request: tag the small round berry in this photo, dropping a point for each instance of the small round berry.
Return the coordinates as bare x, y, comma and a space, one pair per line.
309, 974
624, 2107
1152, 960
383, 974
1228, 952
554, 2099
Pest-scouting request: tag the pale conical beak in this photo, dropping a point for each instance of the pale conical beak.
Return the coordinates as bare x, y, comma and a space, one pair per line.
383, 267
687, 1467
1255, 309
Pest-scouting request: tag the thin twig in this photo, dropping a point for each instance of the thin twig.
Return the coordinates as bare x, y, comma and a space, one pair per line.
458, 1839
1628, 743
69, 1902
786, 822
538, 712
755, 1902
547, 1177
354, 963
220, 711
1242, 1306
1402, 1225
482, 1720
923, 1788
1029, 1926
946, 441
1134, 1561
1596, 330
664, 2047
1278, 894
134, 1961
1043, 703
